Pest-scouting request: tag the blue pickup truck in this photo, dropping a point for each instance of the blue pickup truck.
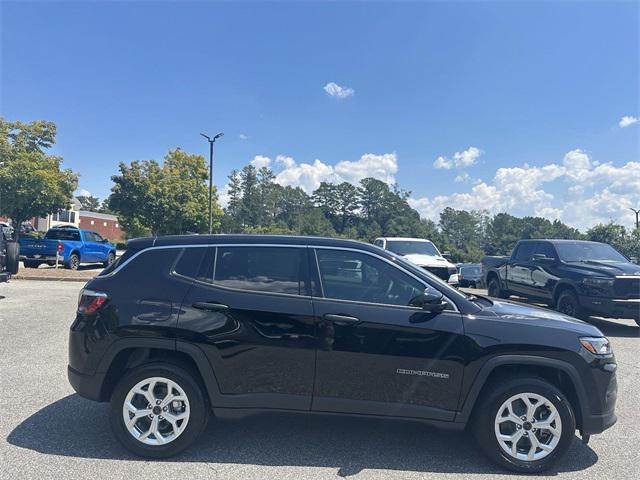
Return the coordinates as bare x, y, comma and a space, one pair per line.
73, 245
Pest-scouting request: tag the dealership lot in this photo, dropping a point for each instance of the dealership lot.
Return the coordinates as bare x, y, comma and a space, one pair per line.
48, 431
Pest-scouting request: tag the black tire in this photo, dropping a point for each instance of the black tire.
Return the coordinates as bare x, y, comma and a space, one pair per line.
568, 304
495, 290
73, 263
110, 259
487, 410
13, 257
31, 264
199, 410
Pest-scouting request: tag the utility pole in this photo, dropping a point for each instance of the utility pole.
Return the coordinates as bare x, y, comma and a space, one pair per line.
637, 212
211, 142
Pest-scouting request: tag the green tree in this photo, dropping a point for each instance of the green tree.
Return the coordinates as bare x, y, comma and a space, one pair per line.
89, 202
32, 184
171, 198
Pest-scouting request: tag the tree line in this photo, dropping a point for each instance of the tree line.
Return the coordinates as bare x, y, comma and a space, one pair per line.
171, 197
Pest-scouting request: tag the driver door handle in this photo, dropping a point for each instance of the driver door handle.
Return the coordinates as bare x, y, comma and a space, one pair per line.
341, 319
210, 306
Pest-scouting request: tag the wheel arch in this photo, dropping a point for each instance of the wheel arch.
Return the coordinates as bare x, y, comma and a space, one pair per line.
561, 374
131, 353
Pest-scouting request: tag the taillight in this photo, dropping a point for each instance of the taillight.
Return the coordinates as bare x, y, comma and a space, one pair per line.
60, 247
90, 301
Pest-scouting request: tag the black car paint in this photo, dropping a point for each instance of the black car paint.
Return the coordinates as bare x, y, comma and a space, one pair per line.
259, 351
545, 280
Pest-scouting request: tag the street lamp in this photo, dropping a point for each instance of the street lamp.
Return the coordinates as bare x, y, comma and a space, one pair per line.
637, 212
211, 142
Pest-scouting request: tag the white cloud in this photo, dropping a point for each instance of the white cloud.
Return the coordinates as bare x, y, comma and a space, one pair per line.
243, 136
335, 90
463, 159
308, 176
588, 192
627, 120
84, 193
260, 161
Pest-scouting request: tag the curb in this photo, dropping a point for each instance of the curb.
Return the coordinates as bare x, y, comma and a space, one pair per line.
54, 279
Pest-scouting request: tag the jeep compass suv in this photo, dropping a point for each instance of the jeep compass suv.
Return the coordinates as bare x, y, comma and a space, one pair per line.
185, 326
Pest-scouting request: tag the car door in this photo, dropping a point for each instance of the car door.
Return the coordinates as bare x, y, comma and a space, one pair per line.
519, 270
376, 353
251, 312
89, 252
543, 279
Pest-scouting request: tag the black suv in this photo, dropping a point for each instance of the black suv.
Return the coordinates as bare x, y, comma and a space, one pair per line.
9, 253
182, 326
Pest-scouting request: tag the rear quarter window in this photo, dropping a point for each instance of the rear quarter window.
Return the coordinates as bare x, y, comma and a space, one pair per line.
146, 264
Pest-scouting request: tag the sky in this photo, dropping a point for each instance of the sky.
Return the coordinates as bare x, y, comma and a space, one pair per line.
529, 108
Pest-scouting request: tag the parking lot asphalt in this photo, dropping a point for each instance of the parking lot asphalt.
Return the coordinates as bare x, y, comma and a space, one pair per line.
47, 431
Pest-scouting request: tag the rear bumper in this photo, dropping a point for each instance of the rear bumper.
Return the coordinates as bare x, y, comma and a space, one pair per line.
87, 386
612, 307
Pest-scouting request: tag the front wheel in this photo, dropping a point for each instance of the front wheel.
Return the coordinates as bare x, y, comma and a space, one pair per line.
524, 424
495, 290
569, 304
158, 410
110, 259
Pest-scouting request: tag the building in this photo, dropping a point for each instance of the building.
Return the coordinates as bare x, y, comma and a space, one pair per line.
71, 216
105, 224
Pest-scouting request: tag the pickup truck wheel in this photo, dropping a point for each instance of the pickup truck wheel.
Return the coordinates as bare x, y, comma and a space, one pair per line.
494, 289
74, 262
110, 259
569, 304
524, 424
157, 410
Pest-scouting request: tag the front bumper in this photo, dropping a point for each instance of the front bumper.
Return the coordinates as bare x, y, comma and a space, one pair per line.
612, 307
4, 277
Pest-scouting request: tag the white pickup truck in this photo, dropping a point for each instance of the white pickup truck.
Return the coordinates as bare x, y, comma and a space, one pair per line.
423, 253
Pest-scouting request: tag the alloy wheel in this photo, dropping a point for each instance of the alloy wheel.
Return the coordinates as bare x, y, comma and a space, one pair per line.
567, 306
528, 427
156, 411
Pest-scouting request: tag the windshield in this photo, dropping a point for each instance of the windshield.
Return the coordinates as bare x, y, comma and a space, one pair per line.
588, 252
62, 235
474, 270
408, 247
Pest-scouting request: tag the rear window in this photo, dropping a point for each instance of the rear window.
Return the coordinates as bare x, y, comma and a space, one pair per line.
118, 261
261, 269
62, 235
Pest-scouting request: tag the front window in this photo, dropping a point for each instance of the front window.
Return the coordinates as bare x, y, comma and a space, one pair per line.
348, 275
409, 247
588, 252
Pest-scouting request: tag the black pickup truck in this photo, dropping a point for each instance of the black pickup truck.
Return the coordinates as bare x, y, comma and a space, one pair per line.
578, 278
9, 253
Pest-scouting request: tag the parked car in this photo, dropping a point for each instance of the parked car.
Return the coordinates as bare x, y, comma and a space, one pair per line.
182, 325
469, 275
9, 251
421, 252
579, 278
73, 246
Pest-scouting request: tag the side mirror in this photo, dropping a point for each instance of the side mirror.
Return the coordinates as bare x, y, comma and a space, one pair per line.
542, 258
446, 255
431, 300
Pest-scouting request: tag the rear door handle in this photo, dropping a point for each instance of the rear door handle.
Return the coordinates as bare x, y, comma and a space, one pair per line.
341, 319
210, 306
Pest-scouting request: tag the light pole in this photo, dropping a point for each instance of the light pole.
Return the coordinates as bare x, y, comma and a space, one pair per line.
211, 142
637, 212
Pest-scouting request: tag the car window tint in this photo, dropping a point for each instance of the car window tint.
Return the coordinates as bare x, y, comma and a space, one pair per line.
525, 251
90, 237
189, 262
348, 275
62, 234
545, 249
262, 269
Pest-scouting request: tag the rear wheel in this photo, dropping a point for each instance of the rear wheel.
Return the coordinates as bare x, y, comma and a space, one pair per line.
158, 410
74, 262
495, 290
524, 424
